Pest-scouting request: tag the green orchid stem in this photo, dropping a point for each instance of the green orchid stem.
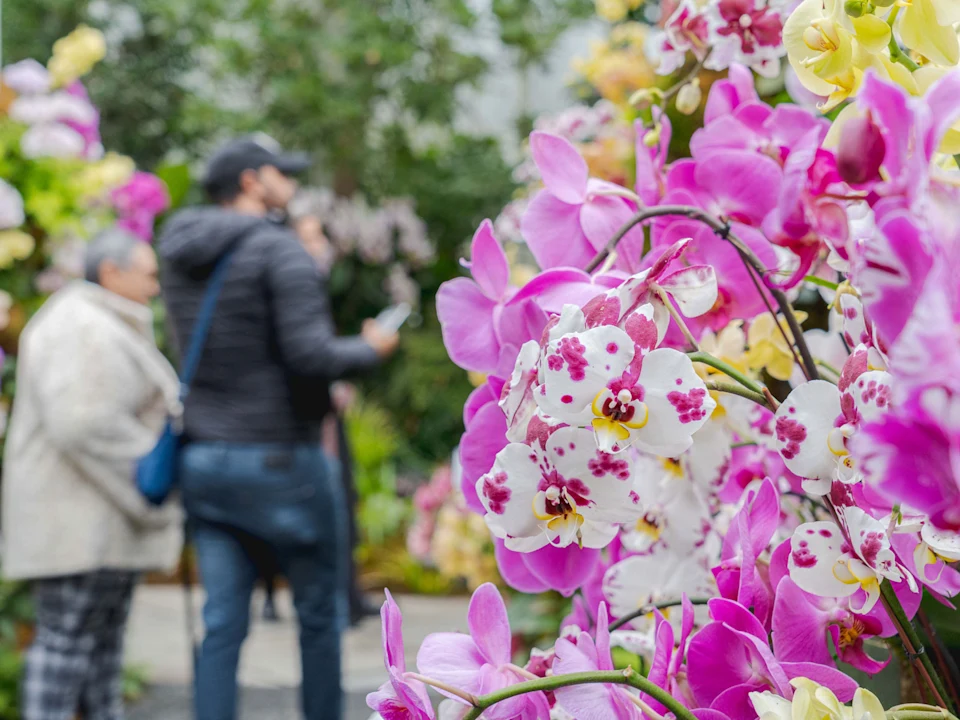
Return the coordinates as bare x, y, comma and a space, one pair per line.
728, 370
646, 609
722, 229
743, 392
613, 677
913, 646
896, 54
814, 280
933, 713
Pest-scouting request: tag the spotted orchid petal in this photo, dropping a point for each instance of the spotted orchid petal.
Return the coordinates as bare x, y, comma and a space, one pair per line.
804, 425
871, 544
576, 368
517, 399
678, 403
537, 497
817, 561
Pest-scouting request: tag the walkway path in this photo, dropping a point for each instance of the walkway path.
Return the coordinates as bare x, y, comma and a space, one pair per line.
269, 667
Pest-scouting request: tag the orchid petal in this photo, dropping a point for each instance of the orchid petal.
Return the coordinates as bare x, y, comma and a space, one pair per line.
488, 262
562, 168
804, 422
552, 231
694, 288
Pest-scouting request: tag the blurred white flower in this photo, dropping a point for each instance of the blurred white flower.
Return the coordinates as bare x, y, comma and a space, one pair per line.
27, 77
55, 140
11, 206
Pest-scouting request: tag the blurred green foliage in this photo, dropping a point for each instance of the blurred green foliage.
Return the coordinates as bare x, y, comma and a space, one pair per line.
369, 89
16, 610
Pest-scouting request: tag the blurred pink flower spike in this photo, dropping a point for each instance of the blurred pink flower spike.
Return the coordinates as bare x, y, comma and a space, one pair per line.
399, 698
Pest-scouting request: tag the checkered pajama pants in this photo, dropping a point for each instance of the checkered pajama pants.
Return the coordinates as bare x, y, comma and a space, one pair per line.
76, 661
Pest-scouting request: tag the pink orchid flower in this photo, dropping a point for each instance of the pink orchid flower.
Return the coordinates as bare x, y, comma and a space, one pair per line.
908, 454
469, 310
739, 576
480, 662
485, 436
399, 698
565, 569
586, 654
805, 215
668, 668
912, 130
802, 622
730, 658
575, 215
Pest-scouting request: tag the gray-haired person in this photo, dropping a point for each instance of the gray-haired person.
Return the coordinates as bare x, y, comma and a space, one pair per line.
93, 392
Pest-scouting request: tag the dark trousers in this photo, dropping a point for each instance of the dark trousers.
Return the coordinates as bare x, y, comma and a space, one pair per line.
247, 501
75, 663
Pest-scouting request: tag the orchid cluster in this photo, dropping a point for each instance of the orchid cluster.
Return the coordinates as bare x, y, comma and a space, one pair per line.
748, 506
390, 235
58, 186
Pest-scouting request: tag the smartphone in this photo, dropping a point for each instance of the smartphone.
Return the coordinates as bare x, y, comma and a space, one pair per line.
393, 318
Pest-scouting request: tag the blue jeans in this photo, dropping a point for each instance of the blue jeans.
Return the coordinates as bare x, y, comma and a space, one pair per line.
244, 500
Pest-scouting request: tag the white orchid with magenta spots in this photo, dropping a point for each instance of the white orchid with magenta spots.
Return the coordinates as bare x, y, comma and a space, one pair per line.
565, 492
823, 562
613, 379
817, 420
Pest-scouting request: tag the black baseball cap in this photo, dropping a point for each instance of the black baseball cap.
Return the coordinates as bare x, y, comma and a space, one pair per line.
250, 153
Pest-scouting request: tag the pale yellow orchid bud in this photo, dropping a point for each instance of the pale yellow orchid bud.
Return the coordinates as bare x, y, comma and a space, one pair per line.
689, 97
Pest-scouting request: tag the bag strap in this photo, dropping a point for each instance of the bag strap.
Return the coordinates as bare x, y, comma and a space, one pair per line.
202, 325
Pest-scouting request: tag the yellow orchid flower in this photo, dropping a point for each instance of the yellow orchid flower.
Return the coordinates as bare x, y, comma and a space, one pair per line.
768, 349
812, 701
76, 54
818, 38
926, 26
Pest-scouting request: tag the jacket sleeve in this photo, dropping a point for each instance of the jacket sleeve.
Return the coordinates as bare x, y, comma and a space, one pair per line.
87, 400
301, 316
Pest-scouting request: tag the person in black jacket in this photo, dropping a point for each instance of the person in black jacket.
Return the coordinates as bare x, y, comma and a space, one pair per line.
253, 476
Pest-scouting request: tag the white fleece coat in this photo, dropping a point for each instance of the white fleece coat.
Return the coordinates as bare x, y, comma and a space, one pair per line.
93, 393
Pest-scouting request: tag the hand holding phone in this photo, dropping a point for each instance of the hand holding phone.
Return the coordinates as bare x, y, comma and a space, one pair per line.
393, 318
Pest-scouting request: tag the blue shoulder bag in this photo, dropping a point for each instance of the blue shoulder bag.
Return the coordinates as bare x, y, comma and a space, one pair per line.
156, 472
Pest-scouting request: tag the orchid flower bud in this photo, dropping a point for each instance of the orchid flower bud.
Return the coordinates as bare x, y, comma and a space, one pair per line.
855, 8
689, 97
861, 150
644, 97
